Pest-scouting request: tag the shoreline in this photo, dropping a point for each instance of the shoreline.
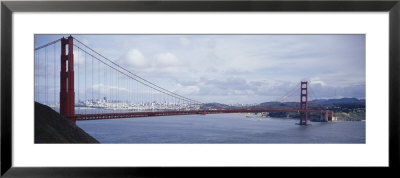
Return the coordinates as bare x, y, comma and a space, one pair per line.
253, 115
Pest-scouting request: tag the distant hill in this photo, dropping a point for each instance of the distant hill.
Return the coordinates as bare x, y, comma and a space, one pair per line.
342, 104
341, 100
278, 105
322, 101
51, 127
214, 106
349, 109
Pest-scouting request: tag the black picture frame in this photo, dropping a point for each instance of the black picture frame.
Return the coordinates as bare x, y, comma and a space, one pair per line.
8, 7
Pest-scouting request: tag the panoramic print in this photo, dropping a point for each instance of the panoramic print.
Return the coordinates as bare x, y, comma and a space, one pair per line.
200, 88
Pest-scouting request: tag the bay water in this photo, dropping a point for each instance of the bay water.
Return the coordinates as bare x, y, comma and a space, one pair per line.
221, 128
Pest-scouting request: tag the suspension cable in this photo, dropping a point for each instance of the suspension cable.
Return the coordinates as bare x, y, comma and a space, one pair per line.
290, 92
135, 74
312, 92
170, 94
48, 44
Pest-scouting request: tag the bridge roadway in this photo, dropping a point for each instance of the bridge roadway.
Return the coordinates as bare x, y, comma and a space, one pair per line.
189, 112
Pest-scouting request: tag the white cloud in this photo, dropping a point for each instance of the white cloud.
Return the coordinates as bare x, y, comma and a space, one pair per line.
187, 90
184, 41
166, 59
265, 66
79, 57
317, 80
133, 58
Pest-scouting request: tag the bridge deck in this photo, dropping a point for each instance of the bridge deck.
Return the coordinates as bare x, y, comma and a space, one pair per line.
189, 112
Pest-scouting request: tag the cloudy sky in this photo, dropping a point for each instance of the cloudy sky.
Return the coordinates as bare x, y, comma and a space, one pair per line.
238, 68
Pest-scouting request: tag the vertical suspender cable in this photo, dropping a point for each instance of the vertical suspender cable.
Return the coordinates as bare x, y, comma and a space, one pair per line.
96, 81
79, 75
108, 88
117, 87
85, 86
131, 92
92, 85
164, 101
46, 86
135, 96
115, 92
41, 66
54, 74
38, 76
118, 91
126, 95
105, 87
35, 76
112, 90
40, 79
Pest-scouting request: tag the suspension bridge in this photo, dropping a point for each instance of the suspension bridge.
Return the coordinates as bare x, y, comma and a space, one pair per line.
104, 89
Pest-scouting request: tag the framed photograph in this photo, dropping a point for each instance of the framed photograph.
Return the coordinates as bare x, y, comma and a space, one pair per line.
213, 84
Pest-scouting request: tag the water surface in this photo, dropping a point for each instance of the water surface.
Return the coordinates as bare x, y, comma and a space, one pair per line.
221, 128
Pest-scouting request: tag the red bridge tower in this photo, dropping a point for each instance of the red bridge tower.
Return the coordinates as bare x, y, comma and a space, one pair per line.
67, 94
304, 103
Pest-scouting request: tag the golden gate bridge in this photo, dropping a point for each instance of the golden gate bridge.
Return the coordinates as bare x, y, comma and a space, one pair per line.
115, 92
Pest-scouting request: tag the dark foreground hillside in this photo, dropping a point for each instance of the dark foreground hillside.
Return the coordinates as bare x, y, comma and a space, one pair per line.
51, 127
